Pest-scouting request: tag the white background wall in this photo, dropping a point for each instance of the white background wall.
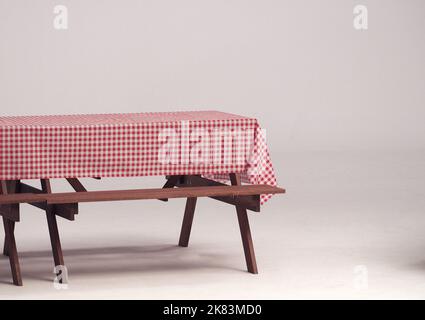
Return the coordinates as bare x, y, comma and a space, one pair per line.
299, 66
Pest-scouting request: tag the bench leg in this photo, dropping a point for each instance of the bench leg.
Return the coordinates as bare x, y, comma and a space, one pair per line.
55, 239
248, 245
9, 248
187, 222
53, 228
6, 240
9, 187
12, 251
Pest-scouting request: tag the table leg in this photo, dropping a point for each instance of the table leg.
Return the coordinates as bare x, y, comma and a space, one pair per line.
53, 228
10, 243
189, 212
248, 245
187, 222
10, 187
12, 252
6, 240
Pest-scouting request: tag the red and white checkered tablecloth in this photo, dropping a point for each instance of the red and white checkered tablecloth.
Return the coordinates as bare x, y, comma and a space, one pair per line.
210, 143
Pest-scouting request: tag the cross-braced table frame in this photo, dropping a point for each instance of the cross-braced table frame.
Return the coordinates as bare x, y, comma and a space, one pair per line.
65, 205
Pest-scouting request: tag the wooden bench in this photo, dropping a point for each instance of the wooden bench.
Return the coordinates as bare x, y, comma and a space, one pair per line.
65, 205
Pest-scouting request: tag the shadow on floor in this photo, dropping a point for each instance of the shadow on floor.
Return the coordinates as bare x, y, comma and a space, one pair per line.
117, 260
417, 266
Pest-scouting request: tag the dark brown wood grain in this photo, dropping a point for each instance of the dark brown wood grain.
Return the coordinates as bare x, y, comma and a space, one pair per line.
187, 222
245, 230
140, 194
65, 204
65, 210
6, 240
249, 202
10, 243
53, 227
76, 184
10, 211
170, 183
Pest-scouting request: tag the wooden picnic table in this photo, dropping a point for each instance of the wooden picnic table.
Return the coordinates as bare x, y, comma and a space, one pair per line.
202, 154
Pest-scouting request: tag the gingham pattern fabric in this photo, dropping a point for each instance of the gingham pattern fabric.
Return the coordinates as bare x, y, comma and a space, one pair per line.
260, 170
139, 144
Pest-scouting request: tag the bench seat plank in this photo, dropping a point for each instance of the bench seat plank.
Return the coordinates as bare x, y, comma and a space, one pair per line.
140, 194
